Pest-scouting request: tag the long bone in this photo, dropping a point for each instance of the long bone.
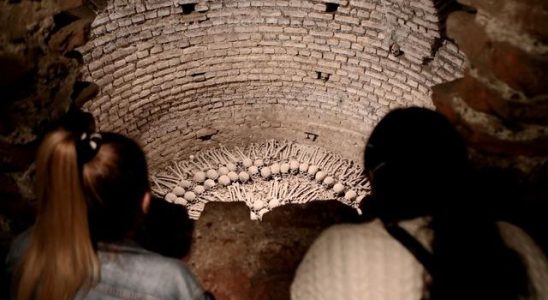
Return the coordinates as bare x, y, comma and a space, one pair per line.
301, 198
323, 161
176, 171
241, 153
164, 177
228, 154
201, 161
280, 149
299, 192
314, 156
212, 158
196, 166
218, 197
311, 195
185, 167
219, 157
207, 162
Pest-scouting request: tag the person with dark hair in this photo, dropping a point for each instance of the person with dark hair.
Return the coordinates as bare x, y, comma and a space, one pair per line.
93, 193
167, 229
426, 234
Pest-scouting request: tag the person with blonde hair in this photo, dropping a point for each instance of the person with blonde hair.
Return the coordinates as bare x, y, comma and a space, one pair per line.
93, 193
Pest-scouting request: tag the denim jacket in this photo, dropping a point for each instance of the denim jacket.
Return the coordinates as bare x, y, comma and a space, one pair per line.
130, 272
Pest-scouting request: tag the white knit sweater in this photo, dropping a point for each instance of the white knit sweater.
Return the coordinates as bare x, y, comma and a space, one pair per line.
364, 262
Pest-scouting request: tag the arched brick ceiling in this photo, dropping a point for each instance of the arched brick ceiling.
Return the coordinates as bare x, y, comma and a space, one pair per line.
252, 70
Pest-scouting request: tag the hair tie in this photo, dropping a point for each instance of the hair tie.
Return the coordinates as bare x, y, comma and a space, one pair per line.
87, 146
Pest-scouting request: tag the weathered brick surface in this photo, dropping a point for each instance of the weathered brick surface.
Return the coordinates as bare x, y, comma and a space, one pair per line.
500, 105
242, 67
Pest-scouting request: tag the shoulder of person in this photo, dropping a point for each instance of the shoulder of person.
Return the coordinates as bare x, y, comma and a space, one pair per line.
357, 261
17, 248
531, 255
177, 277
149, 272
372, 232
365, 239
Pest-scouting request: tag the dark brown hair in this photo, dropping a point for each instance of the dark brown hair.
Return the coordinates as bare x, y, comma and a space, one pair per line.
418, 166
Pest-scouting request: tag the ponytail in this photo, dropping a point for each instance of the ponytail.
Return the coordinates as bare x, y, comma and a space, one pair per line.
60, 259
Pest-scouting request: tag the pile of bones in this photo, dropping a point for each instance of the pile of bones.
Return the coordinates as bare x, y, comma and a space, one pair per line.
263, 176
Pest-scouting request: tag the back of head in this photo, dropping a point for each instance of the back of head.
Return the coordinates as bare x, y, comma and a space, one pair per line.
114, 183
90, 189
416, 162
417, 165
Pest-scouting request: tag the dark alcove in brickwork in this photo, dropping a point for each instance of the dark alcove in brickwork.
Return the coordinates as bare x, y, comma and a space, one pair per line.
331, 7
188, 8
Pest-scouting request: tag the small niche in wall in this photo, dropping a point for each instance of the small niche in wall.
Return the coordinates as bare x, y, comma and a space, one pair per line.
322, 76
395, 50
311, 136
206, 134
188, 8
331, 7
197, 74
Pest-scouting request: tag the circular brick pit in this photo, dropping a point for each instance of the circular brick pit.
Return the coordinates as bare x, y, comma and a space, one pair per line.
185, 76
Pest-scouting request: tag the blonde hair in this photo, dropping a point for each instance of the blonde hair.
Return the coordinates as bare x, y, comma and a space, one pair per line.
60, 258
87, 194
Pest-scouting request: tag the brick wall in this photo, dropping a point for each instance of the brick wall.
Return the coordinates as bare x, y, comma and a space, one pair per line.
254, 70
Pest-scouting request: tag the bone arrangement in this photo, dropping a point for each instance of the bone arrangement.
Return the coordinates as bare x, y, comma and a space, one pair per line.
263, 175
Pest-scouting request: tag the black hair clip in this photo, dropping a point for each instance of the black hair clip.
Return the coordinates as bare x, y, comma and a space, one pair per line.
87, 146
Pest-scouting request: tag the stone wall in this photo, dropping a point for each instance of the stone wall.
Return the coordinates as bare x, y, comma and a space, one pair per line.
39, 87
501, 104
252, 70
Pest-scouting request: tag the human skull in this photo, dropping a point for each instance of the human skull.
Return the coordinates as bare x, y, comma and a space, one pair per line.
275, 168
212, 174
170, 197
320, 176
273, 203
224, 180
199, 189
186, 184
243, 176
284, 168
181, 201
294, 166
253, 170
312, 170
190, 196
231, 167
178, 191
233, 176
350, 195
258, 163
258, 205
338, 188
209, 184
328, 182
199, 176
223, 170
265, 172
247, 162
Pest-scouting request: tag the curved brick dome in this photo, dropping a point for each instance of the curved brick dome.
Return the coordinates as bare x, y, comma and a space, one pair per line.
180, 75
